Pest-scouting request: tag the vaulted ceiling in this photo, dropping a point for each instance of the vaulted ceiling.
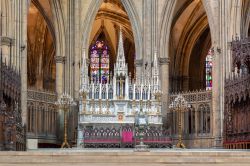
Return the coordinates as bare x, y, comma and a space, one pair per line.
110, 17
189, 45
41, 48
245, 14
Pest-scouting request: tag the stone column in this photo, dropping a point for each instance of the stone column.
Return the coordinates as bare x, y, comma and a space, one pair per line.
60, 60
217, 12
77, 50
220, 50
147, 30
217, 95
59, 74
79, 137
164, 76
138, 66
22, 52
196, 120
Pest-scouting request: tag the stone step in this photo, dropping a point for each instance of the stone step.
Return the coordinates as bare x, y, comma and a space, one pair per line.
126, 158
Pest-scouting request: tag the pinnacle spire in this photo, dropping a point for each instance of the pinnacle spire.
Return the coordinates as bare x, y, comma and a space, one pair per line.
83, 60
120, 65
155, 64
155, 74
84, 69
120, 56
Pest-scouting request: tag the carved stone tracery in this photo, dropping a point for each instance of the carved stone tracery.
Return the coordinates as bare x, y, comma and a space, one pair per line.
60, 59
138, 62
197, 120
164, 61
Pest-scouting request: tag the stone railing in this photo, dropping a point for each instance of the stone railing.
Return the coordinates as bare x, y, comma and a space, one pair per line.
197, 119
42, 116
41, 96
194, 97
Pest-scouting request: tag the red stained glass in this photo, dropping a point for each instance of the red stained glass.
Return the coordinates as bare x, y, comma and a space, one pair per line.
99, 59
208, 69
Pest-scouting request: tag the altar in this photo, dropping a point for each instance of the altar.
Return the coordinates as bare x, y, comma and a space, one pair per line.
108, 103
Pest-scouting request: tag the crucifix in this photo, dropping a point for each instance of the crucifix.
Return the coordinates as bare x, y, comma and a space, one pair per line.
121, 88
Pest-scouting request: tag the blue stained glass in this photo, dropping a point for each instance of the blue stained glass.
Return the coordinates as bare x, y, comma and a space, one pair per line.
99, 59
208, 69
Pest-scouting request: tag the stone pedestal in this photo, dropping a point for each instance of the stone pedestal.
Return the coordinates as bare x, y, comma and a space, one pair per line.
141, 148
32, 144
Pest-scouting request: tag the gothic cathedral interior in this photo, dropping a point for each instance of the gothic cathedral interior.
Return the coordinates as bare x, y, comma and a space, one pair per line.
120, 73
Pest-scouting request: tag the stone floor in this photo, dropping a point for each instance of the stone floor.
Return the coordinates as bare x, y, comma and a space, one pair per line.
126, 157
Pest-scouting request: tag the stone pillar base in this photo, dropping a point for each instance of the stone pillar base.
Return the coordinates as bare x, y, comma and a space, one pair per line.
218, 143
141, 148
32, 144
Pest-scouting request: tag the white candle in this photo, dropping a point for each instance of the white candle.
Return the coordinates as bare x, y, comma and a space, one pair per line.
134, 92
149, 92
93, 91
141, 92
100, 91
107, 90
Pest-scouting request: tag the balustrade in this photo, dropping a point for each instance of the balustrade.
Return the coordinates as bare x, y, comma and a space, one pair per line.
42, 115
197, 120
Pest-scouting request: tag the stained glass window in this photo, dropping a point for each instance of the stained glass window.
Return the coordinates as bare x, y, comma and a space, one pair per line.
208, 67
99, 62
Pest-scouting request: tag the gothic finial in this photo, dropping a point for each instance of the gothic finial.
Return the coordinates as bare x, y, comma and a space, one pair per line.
84, 74
120, 56
83, 59
155, 73
155, 59
120, 65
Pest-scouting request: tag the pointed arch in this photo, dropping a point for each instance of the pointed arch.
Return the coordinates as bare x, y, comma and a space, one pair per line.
102, 29
60, 42
108, 42
210, 13
245, 12
165, 26
41, 45
59, 27
37, 4
133, 17
189, 31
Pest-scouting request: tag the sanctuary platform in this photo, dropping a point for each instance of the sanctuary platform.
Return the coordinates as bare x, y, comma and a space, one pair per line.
125, 157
